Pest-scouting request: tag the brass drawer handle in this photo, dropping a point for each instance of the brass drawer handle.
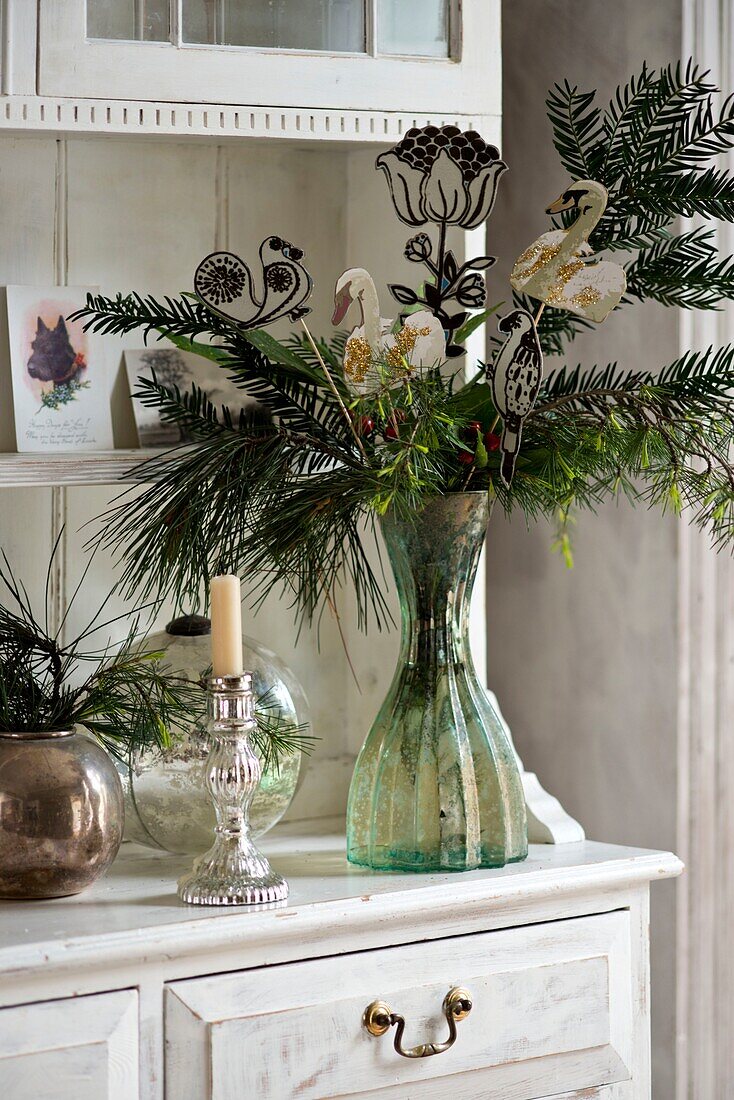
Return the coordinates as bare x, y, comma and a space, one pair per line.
378, 1019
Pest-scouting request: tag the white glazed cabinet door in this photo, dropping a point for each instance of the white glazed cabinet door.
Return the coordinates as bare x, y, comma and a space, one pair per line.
552, 1014
76, 60
85, 1048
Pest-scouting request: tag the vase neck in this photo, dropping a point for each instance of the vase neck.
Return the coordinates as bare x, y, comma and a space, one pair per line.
434, 557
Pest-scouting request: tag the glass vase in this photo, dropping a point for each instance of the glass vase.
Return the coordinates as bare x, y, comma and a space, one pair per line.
436, 786
167, 804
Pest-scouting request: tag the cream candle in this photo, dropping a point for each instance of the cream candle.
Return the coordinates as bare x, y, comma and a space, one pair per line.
226, 615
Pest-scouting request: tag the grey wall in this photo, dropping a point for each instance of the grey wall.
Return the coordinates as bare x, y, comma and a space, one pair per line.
584, 661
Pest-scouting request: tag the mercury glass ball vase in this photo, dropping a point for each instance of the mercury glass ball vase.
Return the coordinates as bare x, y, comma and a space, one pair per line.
166, 796
61, 813
436, 786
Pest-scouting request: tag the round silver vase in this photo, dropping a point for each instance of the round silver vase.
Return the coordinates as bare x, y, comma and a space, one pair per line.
61, 813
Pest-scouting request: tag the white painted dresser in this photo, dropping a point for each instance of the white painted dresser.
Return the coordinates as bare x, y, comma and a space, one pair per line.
123, 993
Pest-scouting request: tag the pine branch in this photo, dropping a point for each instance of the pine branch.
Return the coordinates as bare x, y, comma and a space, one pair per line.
665, 119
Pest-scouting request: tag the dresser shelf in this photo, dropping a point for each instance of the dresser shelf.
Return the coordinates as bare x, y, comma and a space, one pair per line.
77, 468
115, 991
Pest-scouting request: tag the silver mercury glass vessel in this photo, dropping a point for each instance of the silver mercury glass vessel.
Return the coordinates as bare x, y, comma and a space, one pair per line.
233, 871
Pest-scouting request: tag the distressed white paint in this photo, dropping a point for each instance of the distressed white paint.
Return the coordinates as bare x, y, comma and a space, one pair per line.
59, 115
548, 1000
81, 1049
528, 940
71, 65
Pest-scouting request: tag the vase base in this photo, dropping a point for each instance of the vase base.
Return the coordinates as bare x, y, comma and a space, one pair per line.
386, 859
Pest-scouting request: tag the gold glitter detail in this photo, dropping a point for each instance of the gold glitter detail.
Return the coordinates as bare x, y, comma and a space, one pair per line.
542, 257
586, 297
405, 342
357, 360
566, 272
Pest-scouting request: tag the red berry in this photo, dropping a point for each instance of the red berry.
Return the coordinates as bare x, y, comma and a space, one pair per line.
492, 441
466, 458
391, 432
471, 433
366, 425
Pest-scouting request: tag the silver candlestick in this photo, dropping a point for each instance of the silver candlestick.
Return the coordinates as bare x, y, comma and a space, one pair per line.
233, 871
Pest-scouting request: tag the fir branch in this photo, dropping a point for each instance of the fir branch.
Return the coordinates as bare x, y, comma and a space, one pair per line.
578, 134
682, 271
709, 193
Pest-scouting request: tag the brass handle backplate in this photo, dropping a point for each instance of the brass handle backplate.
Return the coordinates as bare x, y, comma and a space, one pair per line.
378, 1019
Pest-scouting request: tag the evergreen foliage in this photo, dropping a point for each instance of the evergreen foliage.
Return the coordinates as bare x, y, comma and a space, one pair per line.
129, 701
651, 147
308, 474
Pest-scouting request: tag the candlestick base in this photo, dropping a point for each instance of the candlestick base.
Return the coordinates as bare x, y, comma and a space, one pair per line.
233, 871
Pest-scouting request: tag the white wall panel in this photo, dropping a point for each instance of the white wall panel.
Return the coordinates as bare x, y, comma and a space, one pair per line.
28, 188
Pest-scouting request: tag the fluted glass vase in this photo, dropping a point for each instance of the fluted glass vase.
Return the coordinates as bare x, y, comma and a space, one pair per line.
436, 786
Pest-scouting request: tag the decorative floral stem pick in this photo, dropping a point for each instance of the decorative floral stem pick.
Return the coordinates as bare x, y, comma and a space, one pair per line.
516, 374
560, 269
225, 284
441, 175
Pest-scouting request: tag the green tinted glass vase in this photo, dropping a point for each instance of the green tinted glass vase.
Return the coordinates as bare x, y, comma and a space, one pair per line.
436, 786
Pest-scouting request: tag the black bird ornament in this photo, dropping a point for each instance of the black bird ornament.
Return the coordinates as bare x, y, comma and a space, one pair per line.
516, 375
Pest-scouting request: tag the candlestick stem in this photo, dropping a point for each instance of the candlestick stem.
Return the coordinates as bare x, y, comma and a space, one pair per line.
233, 871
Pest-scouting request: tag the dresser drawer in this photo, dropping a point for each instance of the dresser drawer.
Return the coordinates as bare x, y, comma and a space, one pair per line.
82, 1048
551, 1013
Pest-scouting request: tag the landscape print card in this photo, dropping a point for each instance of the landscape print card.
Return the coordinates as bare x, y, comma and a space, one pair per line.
176, 368
61, 380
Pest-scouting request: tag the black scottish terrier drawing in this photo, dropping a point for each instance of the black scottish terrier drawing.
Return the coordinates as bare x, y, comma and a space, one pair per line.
53, 359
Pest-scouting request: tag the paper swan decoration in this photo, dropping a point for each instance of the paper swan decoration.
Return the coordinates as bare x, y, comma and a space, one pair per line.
516, 374
374, 335
560, 269
225, 284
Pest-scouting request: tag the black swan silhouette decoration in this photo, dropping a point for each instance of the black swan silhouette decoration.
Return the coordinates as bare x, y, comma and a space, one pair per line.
225, 284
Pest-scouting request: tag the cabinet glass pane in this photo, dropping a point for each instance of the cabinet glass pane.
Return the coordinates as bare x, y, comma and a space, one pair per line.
131, 20
335, 25
413, 27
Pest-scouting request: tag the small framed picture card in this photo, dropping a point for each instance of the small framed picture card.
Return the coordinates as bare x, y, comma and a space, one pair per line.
176, 368
61, 381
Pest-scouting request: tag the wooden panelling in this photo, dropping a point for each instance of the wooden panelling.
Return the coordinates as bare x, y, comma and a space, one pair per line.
82, 1049
551, 1003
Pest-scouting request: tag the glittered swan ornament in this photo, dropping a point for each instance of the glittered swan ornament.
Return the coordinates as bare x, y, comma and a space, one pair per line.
560, 268
421, 341
225, 284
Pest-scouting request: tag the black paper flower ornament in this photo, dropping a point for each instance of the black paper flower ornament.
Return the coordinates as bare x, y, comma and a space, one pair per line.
441, 175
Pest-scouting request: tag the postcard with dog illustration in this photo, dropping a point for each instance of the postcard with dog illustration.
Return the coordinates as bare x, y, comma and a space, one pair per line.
61, 380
